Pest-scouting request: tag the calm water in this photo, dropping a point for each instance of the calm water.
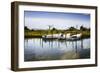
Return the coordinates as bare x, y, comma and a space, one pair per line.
37, 49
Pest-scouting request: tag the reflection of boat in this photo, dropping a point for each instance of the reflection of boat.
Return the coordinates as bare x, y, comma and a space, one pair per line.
62, 37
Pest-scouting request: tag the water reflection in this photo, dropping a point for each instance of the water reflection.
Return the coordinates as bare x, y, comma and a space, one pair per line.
37, 49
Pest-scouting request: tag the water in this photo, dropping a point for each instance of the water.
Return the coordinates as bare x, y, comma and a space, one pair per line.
37, 49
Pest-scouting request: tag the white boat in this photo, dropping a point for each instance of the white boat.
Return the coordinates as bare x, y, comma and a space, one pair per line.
51, 36
60, 36
76, 35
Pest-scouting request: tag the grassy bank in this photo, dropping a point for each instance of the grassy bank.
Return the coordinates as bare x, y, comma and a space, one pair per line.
40, 33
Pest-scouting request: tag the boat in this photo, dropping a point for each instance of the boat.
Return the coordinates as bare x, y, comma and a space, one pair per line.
54, 36
60, 36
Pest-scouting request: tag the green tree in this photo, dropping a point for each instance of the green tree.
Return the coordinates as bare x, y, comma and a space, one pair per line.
84, 28
26, 28
72, 29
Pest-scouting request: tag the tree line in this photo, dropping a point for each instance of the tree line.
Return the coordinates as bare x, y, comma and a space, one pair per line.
82, 28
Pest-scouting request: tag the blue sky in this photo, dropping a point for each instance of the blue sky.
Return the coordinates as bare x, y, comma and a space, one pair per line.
59, 20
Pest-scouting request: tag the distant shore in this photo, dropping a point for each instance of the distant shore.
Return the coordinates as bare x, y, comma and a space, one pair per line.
39, 34
84, 31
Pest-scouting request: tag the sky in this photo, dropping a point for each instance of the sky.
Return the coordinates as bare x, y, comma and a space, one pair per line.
58, 20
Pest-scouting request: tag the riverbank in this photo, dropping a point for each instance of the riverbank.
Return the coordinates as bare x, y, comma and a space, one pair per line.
39, 34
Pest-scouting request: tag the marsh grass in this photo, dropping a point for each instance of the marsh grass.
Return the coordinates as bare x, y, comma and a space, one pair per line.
40, 33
